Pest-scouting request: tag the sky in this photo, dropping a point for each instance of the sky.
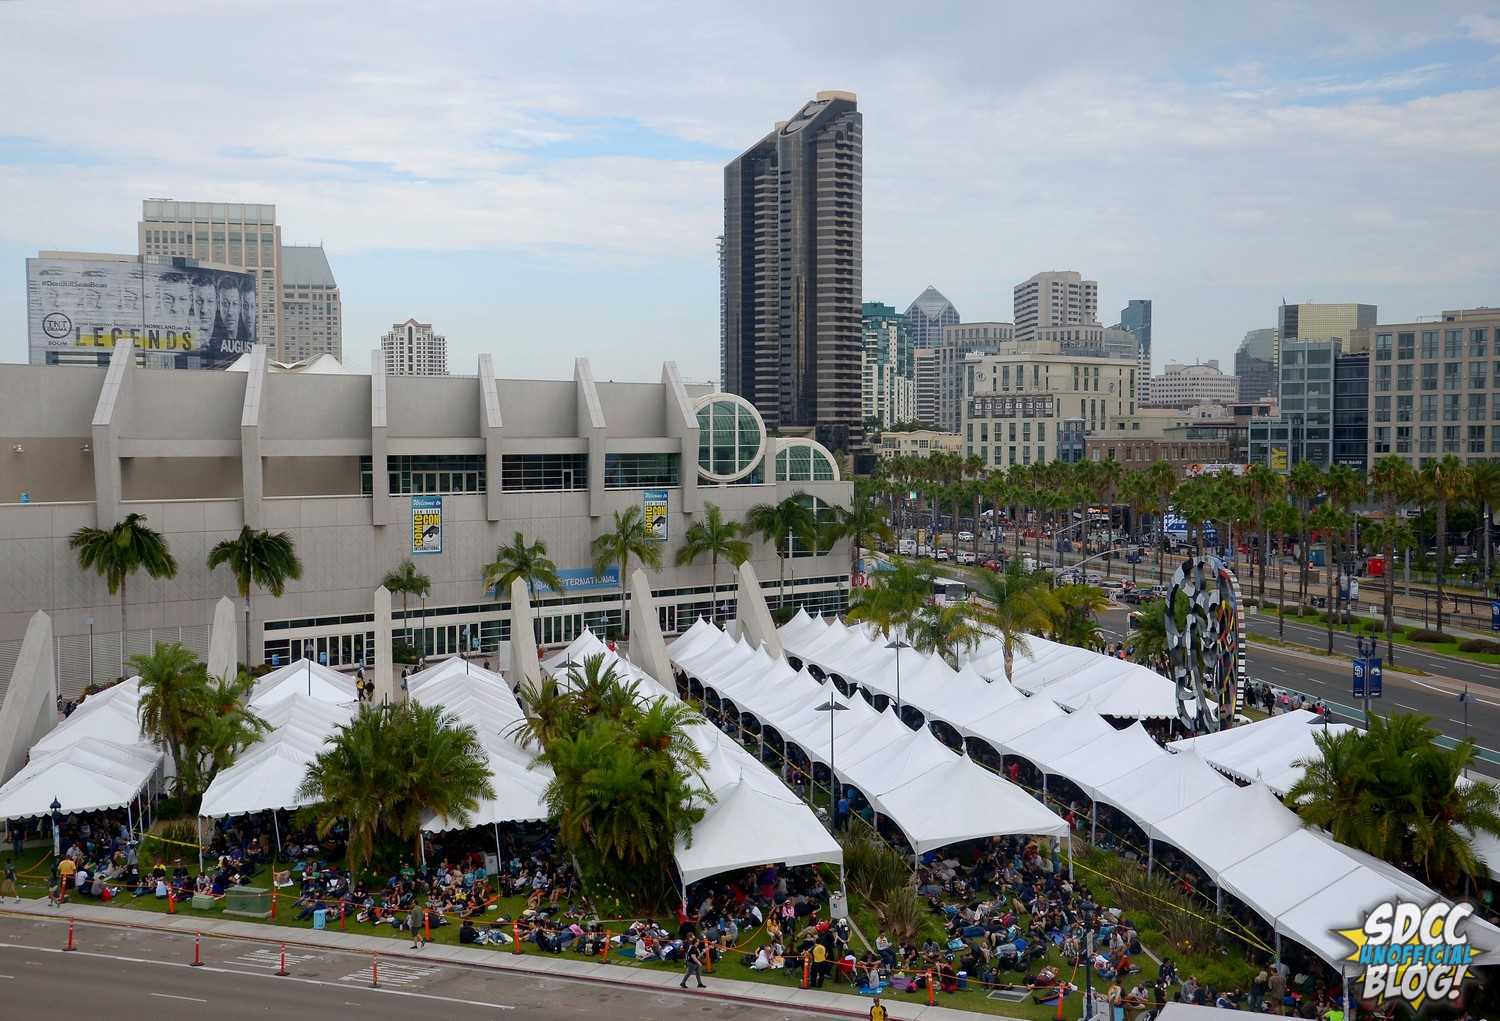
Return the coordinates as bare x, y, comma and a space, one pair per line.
545, 181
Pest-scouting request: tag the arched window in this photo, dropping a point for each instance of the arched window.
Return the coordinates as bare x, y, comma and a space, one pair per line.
805, 461
731, 438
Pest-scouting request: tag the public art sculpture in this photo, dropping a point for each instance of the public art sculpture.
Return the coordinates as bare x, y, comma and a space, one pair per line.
1206, 649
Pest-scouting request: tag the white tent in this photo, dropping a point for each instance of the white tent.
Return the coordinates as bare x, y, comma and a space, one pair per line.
749, 826
518, 798
1093, 766
268, 773
579, 649
303, 677
1223, 829
900, 757
1266, 750
800, 629
1000, 727
1161, 788
1055, 740
90, 777
700, 635
115, 721
964, 801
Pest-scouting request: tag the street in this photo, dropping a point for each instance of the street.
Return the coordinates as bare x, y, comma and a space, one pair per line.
130, 973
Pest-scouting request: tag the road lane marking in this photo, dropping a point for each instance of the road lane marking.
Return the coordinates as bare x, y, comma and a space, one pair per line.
1279, 670
1408, 708
171, 996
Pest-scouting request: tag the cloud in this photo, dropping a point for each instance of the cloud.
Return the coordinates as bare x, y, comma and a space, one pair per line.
1482, 28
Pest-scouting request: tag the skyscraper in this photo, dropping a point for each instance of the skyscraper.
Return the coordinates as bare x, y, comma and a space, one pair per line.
1136, 317
1255, 365
1057, 298
1310, 321
927, 316
312, 313
791, 333
242, 234
412, 349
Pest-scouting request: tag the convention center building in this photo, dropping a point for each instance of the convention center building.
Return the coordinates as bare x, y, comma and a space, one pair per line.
364, 471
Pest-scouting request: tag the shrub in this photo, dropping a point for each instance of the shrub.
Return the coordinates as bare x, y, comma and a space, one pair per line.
873, 869
901, 914
1479, 645
1422, 635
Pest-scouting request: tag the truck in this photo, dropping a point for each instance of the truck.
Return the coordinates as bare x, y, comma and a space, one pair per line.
907, 547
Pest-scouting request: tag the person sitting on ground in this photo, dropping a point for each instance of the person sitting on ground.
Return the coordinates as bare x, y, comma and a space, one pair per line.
467, 933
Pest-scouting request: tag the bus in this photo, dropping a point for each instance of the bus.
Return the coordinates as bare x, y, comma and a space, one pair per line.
947, 592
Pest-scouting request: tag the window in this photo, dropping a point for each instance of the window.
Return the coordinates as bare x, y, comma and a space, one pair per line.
1403, 409
1495, 439
822, 514
1429, 343
1478, 343
1405, 344
731, 439
1382, 377
1450, 407
1476, 439
1382, 409
1428, 439
1429, 376
1452, 341
1477, 410
1382, 347
1383, 440
1403, 377
1403, 439
802, 462
535, 473
427, 473
1451, 376
1429, 408
1450, 439
1476, 375
641, 471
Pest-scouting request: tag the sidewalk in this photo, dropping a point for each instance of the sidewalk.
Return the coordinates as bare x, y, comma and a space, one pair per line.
542, 965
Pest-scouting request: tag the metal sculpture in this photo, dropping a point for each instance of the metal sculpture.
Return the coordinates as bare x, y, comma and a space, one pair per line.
1207, 652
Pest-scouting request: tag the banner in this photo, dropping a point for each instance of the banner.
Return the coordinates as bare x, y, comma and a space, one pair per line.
173, 305
1278, 459
654, 512
427, 524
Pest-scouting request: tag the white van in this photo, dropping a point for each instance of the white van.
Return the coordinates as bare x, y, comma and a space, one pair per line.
907, 547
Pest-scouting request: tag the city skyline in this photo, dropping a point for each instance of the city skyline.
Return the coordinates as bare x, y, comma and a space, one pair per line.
588, 203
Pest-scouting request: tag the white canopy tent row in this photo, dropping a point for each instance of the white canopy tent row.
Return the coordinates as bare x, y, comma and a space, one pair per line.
306, 678
1266, 750
934, 795
753, 818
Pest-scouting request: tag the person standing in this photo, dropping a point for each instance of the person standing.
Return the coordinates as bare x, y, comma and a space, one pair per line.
692, 962
878, 1011
414, 919
820, 964
8, 887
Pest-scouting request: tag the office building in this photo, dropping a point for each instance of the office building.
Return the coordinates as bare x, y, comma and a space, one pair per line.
1136, 317
791, 272
1303, 430
312, 313
244, 235
346, 464
928, 316
1091, 340
919, 443
1351, 410
412, 349
1057, 298
940, 376
1019, 401
1434, 386
1255, 365
1183, 386
932, 367
888, 394
885, 331
979, 338
1311, 321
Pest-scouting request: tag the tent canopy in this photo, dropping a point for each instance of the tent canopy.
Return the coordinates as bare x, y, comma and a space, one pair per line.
1161, 788
302, 677
92, 777
964, 801
1266, 750
1224, 829
784, 831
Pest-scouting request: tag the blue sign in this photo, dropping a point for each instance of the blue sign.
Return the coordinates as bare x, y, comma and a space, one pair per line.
1367, 674
1495, 615
576, 579
1359, 678
1374, 676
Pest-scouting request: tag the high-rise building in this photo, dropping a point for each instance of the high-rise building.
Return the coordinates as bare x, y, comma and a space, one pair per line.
1310, 321
1136, 317
928, 316
1351, 410
888, 394
792, 262
1057, 298
240, 234
927, 379
412, 349
312, 313
1303, 431
1091, 340
1255, 365
1186, 386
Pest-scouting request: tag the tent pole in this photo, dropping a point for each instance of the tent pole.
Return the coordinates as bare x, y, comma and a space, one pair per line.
1070, 854
129, 820
200, 844
498, 863
1218, 900
1150, 855
276, 825
1094, 822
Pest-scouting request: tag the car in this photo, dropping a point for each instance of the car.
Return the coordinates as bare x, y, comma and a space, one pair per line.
966, 536
993, 565
965, 557
942, 554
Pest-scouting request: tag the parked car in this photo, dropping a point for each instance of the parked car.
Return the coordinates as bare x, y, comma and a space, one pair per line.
965, 536
943, 554
965, 557
993, 565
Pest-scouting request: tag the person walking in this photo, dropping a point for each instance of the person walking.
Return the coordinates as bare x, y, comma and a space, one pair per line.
878, 1011
414, 919
692, 962
8, 887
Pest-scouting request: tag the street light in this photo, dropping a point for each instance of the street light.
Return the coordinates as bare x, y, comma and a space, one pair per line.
56, 807
832, 709
898, 645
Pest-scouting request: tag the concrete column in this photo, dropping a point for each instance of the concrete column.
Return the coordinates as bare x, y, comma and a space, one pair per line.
647, 649
105, 434
682, 424
525, 668
756, 625
491, 427
252, 469
591, 427
28, 709
385, 670
380, 503
224, 639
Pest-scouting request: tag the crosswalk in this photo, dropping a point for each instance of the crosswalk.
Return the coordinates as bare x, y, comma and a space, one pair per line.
270, 957
394, 974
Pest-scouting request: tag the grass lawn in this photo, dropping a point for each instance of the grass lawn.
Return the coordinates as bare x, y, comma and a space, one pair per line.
1400, 635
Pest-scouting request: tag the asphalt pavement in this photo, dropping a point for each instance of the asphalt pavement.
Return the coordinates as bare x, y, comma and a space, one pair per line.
131, 973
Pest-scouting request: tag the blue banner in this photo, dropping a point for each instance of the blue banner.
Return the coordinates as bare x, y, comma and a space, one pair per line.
583, 579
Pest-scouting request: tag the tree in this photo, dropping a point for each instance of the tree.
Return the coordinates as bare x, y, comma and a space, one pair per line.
1331, 520
1393, 483
1484, 481
406, 581
781, 524
1282, 519
893, 598
1163, 482
528, 562
1346, 487
1013, 605
172, 681
714, 537
1442, 483
944, 630
1262, 485
1136, 490
222, 726
1076, 618
387, 768
1305, 483
627, 537
117, 552
267, 559
1147, 641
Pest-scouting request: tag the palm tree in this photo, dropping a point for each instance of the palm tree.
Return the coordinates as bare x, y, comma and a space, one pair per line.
547, 713
715, 537
172, 684
781, 524
1076, 620
528, 562
223, 726
1147, 641
1346, 487
1484, 480
408, 581
1332, 521
117, 552
1135, 489
1393, 482
626, 538
1305, 483
944, 630
1282, 519
388, 767
892, 598
1262, 485
267, 559
1442, 483
1163, 482
1012, 606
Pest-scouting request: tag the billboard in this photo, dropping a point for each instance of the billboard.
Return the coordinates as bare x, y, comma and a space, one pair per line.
1279, 459
427, 524
654, 513
175, 306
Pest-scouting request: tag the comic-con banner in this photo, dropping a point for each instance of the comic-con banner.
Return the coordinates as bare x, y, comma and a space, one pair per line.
654, 513
427, 524
174, 306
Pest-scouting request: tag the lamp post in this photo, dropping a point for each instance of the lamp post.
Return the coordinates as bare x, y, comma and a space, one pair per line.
897, 644
56, 807
90, 622
832, 708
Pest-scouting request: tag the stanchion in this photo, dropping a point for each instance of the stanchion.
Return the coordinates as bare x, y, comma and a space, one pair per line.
1061, 992
708, 957
172, 903
273, 904
341, 915
515, 937
197, 950
375, 972
806, 971
931, 990
426, 928
71, 945
282, 970
606, 946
